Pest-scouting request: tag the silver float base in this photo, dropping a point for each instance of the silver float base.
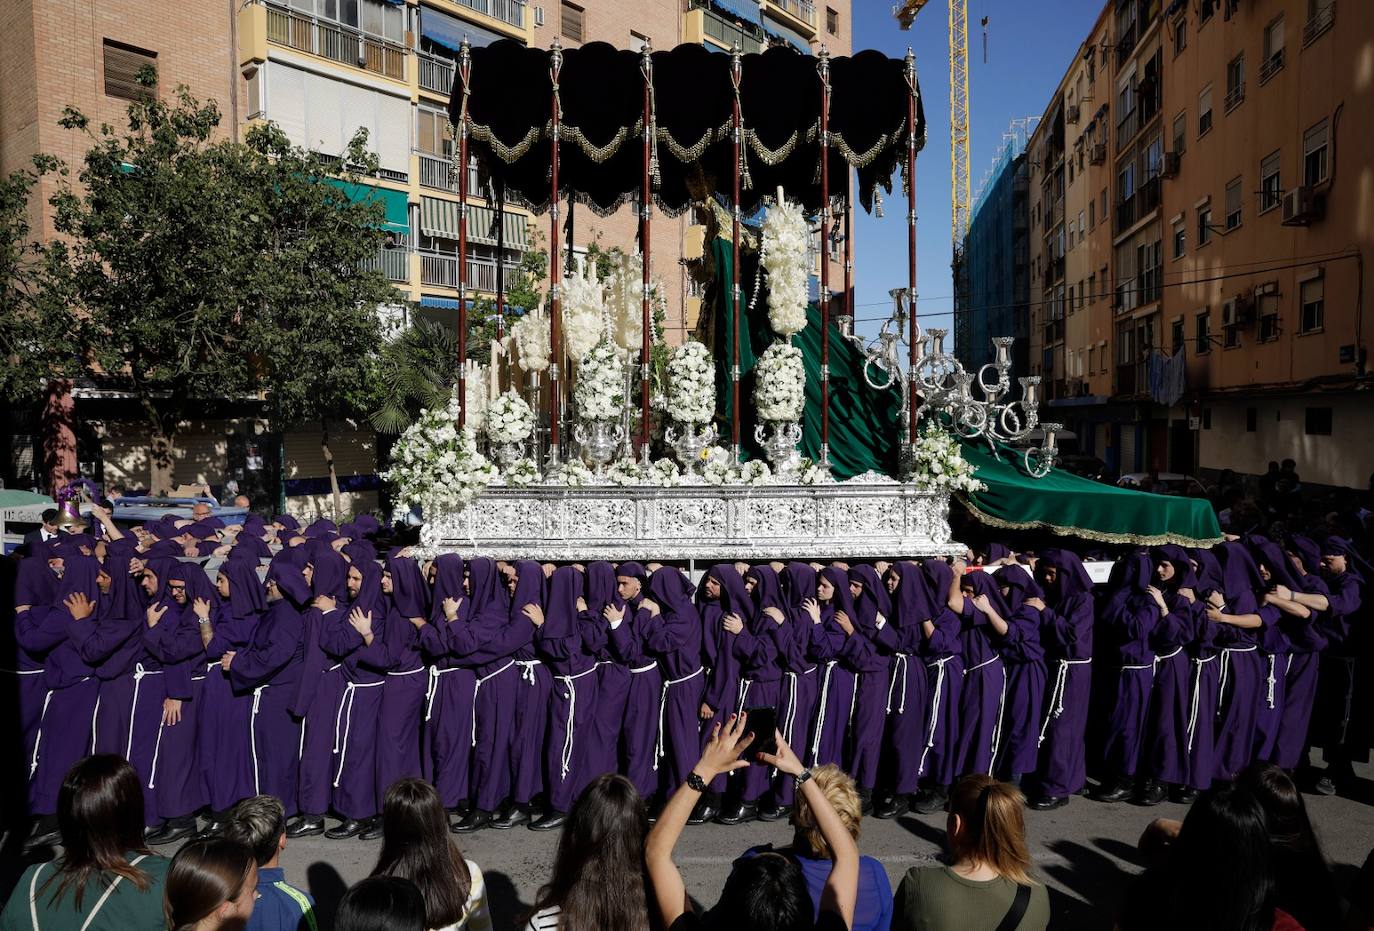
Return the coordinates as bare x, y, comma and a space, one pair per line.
858, 519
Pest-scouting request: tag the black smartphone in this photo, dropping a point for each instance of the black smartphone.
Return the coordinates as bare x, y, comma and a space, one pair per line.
763, 723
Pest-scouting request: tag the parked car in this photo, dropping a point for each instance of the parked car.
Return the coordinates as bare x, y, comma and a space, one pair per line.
1085, 466
1164, 483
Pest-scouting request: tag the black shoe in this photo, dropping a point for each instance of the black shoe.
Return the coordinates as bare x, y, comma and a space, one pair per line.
892, 807
461, 810
350, 827
373, 830
1049, 802
1114, 792
515, 814
474, 821
306, 826
1151, 794
929, 801
738, 812
774, 812
551, 821
705, 810
1324, 785
212, 829
865, 802
170, 833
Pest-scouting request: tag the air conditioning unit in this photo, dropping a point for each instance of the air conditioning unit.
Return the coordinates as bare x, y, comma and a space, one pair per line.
1071, 114
1244, 309
1301, 206
539, 16
1172, 160
1099, 153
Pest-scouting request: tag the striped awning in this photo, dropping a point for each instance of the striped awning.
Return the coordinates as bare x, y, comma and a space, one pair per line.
439, 217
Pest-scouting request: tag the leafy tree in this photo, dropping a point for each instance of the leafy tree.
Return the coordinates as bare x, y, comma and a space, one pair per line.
419, 367
315, 329
36, 331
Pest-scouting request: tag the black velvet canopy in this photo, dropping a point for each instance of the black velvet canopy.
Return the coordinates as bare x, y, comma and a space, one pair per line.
600, 93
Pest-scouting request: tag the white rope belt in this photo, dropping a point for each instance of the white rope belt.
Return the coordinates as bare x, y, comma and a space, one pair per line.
820, 718
23, 672
1159, 659
38, 737
341, 746
1197, 697
663, 706
565, 762
900, 660
743, 694
997, 731
477, 687
986, 662
1055, 706
527, 669
1226, 671
139, 673
939, 666
433, 688
638, 669
253, 735
1272, 663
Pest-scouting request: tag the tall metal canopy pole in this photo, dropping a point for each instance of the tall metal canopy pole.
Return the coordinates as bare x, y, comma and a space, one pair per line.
464, 75
823, 66
913, 342
501, 266
555, 261
736, 67
645, 211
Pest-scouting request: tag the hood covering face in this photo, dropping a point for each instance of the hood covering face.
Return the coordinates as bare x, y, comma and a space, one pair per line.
289, 579
1072, 576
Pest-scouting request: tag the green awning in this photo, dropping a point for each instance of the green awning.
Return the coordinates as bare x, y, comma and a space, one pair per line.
396, 209
865, 432
439, 217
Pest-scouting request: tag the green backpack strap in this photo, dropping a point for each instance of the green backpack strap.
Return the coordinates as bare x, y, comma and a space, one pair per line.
306, 908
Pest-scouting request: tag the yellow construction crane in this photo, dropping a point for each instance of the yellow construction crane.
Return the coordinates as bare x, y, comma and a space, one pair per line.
960, 195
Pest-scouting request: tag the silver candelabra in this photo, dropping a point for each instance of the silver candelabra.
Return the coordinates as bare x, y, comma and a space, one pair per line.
977, 406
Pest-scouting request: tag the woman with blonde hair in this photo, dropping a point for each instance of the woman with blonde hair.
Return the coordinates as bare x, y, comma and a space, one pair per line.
987, 886
810, 851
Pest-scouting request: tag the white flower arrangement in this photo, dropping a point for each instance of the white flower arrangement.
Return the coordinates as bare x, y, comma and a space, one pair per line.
574, 473
809, 472
531, 334
753, 472
509, 419
476, 382
784, 245
600, 389
625, 303
719, 465
663, 472
691, 394
939, 464
780, 383
437, 466
584, 312
625, 472
521, 474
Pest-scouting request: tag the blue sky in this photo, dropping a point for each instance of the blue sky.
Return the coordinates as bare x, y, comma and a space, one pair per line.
1030, 44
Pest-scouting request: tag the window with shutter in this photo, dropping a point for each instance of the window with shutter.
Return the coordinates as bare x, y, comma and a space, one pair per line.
573, 22
123, 63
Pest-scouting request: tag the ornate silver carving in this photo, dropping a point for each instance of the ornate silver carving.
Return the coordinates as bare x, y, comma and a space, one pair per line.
600, 440
856, 519
688, 441
507, 454
781, 444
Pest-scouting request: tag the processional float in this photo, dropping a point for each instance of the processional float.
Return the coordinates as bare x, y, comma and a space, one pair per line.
558, 126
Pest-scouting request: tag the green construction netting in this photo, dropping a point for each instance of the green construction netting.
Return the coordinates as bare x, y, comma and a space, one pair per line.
865, 432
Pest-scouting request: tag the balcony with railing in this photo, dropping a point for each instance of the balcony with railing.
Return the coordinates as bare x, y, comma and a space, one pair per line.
436, 171
511, 12
1138, 206
803, 10
436, 74
725, 32
394, 263
1322, 18
440, 270
336, 42
1139, 116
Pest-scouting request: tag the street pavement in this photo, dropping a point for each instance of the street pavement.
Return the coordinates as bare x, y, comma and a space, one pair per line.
1085, 853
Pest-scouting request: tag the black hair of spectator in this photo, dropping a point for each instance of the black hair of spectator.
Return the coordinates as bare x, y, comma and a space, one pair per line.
381, 903
766, 892
100, 816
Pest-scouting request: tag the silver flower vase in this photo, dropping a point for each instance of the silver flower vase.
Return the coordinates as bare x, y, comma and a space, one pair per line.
781, 445
688, 442
507, 454
600, 440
